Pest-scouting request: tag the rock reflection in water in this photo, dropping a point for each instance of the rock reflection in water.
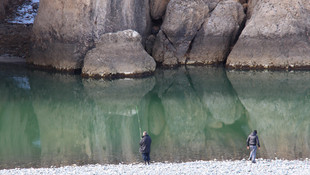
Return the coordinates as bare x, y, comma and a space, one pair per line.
191, 113
88, 120
277, 104
199, 110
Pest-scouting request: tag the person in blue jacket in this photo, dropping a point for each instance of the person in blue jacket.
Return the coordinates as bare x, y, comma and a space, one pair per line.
252, 141
145, 147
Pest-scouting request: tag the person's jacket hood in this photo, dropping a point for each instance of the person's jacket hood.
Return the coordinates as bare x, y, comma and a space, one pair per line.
253, 139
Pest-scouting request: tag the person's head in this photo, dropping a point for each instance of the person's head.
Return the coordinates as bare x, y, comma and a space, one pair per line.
144, 133
255, 131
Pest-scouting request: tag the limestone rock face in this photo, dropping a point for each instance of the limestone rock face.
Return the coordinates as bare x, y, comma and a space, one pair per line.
158, 8
250, 7
277, 35
64, 30
212, 3
212, 42
198, 32
182, 21
118, 53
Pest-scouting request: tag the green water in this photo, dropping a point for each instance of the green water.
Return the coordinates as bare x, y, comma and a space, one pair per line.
194, 113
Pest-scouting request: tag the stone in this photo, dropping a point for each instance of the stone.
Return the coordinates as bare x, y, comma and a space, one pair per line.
149, 44
276, 36
158, 8
163, 50
118, 53
182, 21
212, 3
250, 7
212, 43
65, 30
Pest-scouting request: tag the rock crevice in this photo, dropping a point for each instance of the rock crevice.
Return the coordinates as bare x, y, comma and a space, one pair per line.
237, 33
202, 38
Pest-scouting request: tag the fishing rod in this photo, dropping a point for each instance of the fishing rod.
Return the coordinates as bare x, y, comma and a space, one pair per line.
139, 122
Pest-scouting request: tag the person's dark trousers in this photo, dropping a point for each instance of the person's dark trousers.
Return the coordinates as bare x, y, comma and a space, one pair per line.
146, 157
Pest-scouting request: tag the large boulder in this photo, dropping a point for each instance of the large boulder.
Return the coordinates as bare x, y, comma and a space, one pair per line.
65, 30
182, 21
212, 42
158, 8
276, 36
212, 3
198, 32
118, 53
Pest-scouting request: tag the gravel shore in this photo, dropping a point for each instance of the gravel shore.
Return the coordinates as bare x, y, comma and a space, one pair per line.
198, 167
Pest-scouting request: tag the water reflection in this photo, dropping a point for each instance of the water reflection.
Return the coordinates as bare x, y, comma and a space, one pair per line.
199, 110
277, 104
191, 113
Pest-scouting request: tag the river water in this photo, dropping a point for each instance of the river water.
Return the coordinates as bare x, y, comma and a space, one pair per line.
191, 113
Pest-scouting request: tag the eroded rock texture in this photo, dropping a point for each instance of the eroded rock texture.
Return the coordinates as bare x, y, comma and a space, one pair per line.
118, 53
219, 31
65, 30
198, 32
158, 8
273, 33
182, 21
276, 35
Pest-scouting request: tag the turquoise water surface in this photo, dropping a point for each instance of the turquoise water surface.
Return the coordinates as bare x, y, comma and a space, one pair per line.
191, 113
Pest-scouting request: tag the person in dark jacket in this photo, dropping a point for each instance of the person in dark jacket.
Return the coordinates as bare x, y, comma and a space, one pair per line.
252, 141
145, 147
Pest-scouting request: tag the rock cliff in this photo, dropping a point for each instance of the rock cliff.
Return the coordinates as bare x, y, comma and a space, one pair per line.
182, 21
277, 35
65, 30
218, 33
238, 33
158, 8
198, 32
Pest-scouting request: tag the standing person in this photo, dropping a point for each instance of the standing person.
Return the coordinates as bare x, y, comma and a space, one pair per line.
252, 141
145, 147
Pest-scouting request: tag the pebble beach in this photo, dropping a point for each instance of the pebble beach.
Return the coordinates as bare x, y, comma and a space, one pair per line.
300, 167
